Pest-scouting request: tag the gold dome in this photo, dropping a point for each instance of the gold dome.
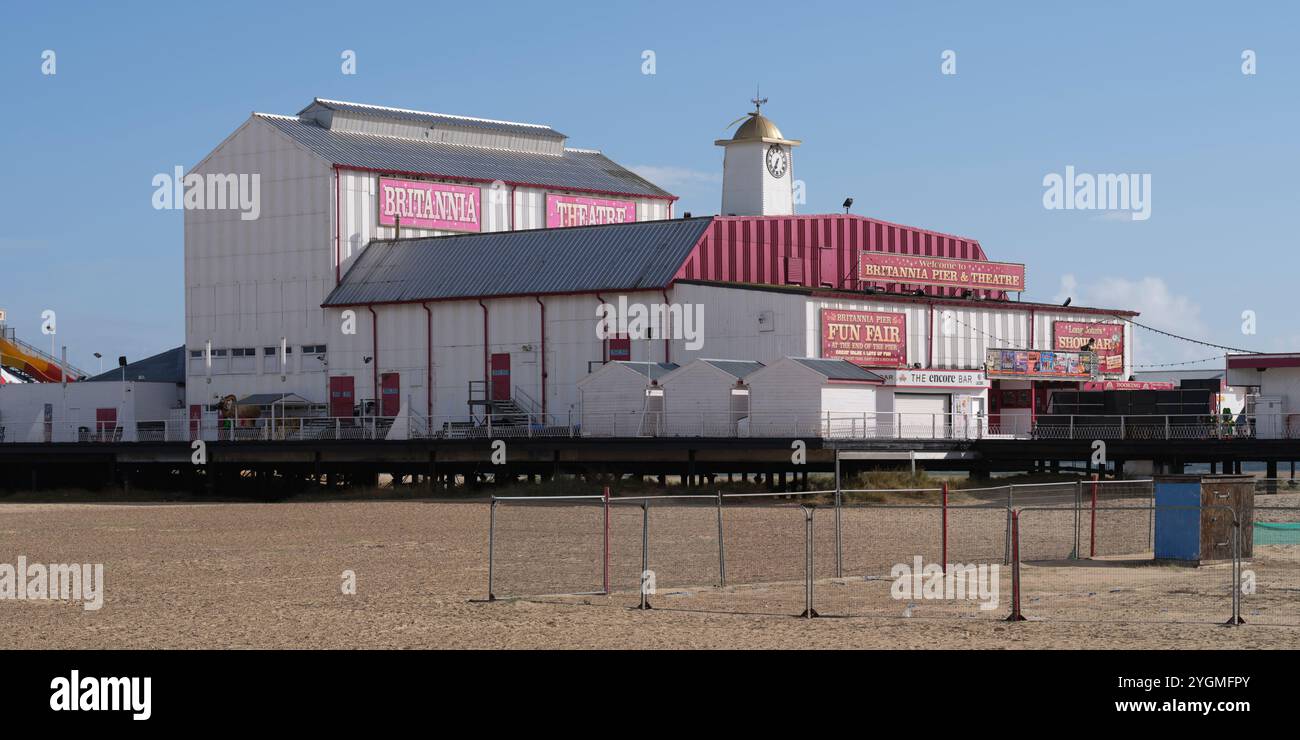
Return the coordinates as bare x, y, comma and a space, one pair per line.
758, 126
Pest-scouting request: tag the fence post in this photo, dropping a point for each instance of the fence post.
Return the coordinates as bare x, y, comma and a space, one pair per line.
945, 528
722, 549
839, 532
808, 611
1006, 548
605, 548
1092, 544
1015, 615
492, 537
1078, 513
1236, 573
645, 553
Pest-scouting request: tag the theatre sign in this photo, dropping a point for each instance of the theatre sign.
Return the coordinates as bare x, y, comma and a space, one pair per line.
882, 267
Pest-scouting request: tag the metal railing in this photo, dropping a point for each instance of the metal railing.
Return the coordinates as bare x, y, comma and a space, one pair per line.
703, 542
812, 554
825, 425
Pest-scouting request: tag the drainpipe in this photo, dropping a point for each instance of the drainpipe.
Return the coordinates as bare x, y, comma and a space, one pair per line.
428, 359
338, 228
667, 344
512, 206
374, 355
542, 360
604, 343
929, 339
487, 361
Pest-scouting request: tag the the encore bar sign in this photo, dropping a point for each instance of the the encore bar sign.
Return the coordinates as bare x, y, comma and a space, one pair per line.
882, 267
869, 338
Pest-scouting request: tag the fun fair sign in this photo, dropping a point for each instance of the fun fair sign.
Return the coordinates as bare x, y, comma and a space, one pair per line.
867, 338
881, 267
569, 210
428, 205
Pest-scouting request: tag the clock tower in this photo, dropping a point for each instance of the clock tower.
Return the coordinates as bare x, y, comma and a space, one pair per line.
758, 168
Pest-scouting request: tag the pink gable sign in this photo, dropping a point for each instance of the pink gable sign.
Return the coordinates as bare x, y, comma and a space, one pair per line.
428, 205
569, 210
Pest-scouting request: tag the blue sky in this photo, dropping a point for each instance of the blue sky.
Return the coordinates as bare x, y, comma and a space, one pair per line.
1153, 88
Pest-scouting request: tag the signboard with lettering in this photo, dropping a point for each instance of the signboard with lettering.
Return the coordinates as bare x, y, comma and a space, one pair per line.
1107, 341
570, 210
883, 267
1040, 364
867, 338
935, 378
1129, 385
428, 205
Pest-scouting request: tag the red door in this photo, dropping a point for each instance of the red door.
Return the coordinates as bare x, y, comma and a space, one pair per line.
196, 420
620, 349
390, 389
501, 376
105, 422
341, 395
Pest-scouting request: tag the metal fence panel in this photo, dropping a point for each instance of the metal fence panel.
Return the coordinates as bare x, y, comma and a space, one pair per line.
1131, 587
547, 546
1271, 572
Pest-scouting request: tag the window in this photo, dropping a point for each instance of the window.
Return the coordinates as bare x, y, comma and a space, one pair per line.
313, 357
243, 360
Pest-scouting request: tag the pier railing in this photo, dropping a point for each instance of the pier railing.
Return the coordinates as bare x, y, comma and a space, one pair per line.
823, 425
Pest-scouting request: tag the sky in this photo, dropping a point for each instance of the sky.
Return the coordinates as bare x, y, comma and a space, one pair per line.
944, 116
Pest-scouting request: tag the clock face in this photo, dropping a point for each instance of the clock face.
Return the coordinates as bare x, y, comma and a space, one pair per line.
777, 161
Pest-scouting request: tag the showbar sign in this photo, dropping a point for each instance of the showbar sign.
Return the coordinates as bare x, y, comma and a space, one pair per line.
1042, 364
568, 210
882, 267
429, 205
1107, 341
867, 338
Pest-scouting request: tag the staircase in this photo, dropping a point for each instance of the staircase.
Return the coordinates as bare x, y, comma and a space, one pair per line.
517, 411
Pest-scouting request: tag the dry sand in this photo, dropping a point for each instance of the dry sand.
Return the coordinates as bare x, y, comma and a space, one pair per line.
234, 575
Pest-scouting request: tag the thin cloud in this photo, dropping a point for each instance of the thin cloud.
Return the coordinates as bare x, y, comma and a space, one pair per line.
669, 177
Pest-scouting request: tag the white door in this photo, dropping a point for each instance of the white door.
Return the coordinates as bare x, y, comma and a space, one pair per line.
922, 415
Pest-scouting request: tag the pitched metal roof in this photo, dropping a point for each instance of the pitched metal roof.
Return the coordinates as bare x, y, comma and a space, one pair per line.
164, 367
637, 256
839, 369
652, 370
575, 169
737, 368
404, 114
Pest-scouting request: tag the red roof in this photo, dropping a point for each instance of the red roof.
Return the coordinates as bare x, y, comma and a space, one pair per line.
815, 250
1280, 359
